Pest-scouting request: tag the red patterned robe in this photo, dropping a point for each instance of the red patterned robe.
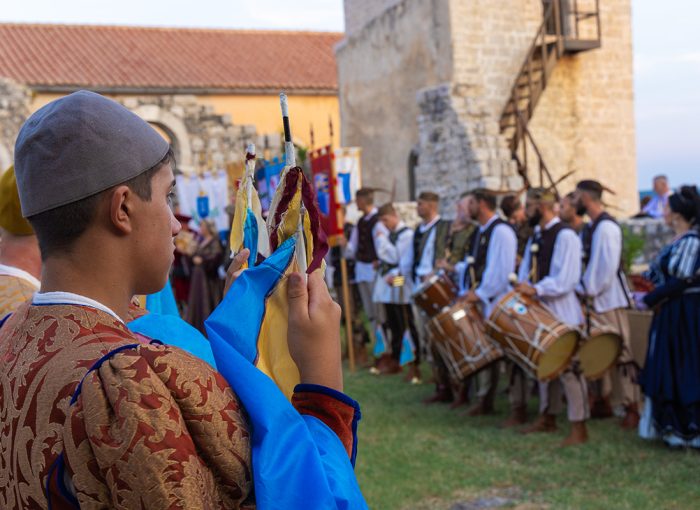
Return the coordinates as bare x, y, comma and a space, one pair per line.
150, 427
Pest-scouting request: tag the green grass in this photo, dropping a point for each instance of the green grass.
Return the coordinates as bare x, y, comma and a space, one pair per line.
415, 456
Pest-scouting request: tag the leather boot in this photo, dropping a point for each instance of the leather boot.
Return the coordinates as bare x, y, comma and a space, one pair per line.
601, 408
482, 408
578, 434
391, 366
443, 393
545, 423
462, 392
412, 373
518, 416
631, 419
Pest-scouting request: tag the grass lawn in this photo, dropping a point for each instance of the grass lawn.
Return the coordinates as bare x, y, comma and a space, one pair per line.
413, 456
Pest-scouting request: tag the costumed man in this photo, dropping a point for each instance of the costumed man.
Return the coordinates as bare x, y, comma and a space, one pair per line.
20, 260
514, 213
460, 234
492, 260
557, 261
116, 421
429, 245
572, 213
393, 286
362, 248
604, 285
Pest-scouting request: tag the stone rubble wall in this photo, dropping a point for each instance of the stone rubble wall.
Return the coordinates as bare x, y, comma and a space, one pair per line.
14, 110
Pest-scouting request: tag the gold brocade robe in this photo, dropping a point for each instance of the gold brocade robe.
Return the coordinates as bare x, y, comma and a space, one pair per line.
153, 427
13, 292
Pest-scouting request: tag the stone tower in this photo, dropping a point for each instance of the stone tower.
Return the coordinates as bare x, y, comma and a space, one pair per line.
428, 88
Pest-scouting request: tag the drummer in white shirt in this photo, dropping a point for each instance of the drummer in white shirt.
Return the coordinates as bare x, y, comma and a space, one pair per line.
552, 280
604, 284
483, 277
393, 287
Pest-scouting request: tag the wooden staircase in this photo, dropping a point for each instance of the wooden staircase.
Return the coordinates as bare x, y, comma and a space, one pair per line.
568, 27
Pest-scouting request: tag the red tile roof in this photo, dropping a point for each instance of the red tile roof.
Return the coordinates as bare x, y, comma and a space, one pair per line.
110, 58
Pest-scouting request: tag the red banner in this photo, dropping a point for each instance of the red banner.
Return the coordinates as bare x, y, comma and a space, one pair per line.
324, 183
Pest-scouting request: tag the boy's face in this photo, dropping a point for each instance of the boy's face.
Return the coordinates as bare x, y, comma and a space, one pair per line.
390, 221
155, 228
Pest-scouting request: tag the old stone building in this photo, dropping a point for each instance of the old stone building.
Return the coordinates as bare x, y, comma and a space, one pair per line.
208, 91
449, 95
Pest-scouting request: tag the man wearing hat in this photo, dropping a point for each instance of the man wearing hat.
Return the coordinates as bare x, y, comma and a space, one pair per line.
550, 271
604, 285
112, 420
20, 261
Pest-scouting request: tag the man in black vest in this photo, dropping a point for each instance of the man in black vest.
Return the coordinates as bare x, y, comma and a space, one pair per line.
604, 285
550, 272
361, 247
429, 246
492, 257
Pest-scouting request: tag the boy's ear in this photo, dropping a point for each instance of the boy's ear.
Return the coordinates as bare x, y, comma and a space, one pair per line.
121, 208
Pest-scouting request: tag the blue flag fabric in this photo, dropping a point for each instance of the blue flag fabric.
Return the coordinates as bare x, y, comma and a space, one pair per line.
250, 236
379, 342
172, 330
298, 461
408, 349
163, 302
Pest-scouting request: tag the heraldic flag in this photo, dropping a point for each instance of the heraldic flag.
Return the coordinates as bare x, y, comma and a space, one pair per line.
298, 461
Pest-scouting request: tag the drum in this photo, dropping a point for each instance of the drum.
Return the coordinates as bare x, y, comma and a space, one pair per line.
434, 294
458, 334
531, 336
600, 347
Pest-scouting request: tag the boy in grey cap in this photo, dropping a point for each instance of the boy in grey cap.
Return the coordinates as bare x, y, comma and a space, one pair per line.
94, 416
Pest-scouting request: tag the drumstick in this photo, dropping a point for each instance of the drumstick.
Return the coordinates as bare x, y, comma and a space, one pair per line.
534, 249
472, 273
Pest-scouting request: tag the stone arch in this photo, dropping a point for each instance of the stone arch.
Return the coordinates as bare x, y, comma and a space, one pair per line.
176, 129
201, 139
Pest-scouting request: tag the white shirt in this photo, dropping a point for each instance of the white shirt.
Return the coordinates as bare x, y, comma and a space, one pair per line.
427, 259
68, 298
500, 264
601, 281
402, 255
655, 207
364, 271
557, 290
19, 273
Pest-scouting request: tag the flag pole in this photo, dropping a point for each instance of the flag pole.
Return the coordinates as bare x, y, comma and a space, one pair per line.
290, 162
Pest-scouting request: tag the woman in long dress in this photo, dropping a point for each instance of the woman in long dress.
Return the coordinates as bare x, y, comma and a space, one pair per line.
206, 287
671, 376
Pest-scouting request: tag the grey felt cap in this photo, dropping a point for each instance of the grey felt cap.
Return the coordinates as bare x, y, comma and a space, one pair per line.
78, 146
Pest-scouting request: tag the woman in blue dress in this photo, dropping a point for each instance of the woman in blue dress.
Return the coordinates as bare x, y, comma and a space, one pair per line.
671, 376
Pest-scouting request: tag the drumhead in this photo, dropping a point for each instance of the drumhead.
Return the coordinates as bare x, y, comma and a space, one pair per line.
554, 360
598, 354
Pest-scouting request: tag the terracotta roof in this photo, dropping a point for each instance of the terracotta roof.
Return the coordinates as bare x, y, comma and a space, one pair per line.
112, 58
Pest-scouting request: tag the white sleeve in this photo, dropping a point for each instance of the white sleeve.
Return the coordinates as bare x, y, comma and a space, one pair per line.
524, 269
604, 263
565, 269
404, 246
460, 269
386, 252
500, 263
351, 246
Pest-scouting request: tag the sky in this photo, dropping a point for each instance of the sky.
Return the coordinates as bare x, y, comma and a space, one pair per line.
666, 56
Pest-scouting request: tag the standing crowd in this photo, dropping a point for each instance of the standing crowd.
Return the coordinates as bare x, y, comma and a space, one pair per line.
449, 286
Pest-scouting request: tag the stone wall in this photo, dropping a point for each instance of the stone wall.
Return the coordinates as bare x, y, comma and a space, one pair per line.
381, 67
359, 12
14, 110
584, 121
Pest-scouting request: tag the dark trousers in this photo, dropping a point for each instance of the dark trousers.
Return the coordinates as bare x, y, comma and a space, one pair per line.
398, 318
